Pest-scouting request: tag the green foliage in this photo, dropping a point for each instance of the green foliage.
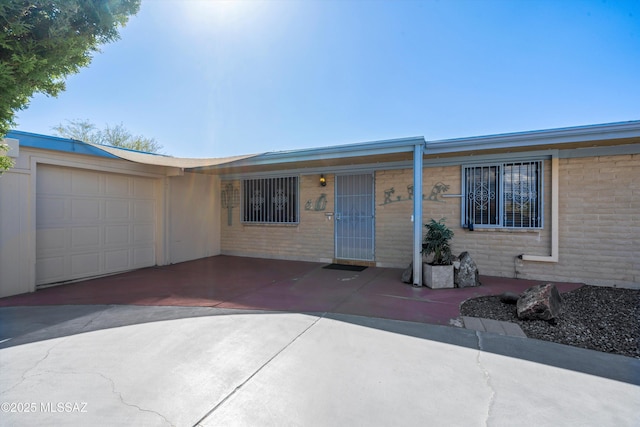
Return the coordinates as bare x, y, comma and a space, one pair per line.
436, 242
80, 130
6, 162
117, 136
44, 41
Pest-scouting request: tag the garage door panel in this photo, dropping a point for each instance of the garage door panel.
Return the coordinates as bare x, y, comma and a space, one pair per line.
92, 223
117, 185
51, 210
85, 237
143, 256
51, 240
143, 210
85, 183
85, 209
58, 182
143, 188
117, 235
143, 233
118, 260
51, 267
85, 264
117, 210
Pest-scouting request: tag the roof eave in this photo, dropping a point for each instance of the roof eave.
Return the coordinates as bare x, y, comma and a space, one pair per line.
325, 153
591, 133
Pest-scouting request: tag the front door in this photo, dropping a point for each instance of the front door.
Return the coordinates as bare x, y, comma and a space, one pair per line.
355, 220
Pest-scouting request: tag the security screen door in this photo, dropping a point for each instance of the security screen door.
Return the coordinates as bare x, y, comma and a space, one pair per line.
355, 221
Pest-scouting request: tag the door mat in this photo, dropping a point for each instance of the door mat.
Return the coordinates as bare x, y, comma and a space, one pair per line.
344, 267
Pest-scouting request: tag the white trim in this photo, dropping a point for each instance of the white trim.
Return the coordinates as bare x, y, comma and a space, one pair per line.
613, 150
555, 222
90, 166
601, 132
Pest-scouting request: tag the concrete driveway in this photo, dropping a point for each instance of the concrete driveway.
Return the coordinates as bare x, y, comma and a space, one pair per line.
240, 341
202, 366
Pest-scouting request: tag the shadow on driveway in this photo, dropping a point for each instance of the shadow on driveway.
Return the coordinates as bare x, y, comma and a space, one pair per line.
225, 285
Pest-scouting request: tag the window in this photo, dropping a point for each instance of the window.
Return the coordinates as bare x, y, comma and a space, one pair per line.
270, 200
503, 195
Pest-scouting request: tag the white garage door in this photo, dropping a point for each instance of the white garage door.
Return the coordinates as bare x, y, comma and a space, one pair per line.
92, 223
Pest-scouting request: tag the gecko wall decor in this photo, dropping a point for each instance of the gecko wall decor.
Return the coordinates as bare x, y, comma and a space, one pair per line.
319, 204
434, 196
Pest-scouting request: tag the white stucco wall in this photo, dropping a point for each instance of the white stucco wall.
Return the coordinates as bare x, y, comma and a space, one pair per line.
194, 217
18, 204
16, 273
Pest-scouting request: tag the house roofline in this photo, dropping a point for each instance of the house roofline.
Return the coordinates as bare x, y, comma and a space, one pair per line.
56, 143
558, 136
382, 147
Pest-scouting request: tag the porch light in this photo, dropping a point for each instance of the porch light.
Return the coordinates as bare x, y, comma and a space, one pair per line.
323, 181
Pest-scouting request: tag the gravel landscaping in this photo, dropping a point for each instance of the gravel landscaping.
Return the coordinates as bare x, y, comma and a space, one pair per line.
598, 318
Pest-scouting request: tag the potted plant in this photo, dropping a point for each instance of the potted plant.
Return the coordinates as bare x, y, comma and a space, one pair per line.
438, 273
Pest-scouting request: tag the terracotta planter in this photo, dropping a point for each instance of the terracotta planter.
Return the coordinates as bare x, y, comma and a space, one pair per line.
437, 276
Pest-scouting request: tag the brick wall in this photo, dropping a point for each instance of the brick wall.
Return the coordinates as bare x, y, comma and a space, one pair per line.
394, 207
310, 240
493, 250
599, 224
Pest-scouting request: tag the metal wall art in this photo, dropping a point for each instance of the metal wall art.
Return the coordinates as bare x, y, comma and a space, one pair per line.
434, 196
230, 199
319, 204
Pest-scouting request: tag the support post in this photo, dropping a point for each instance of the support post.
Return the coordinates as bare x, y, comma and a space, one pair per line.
417, 215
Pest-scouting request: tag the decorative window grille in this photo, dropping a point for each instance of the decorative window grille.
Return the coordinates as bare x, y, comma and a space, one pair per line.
270, 200
503, 195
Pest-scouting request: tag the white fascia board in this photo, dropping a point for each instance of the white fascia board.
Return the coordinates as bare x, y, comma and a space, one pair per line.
614, 150
594, 133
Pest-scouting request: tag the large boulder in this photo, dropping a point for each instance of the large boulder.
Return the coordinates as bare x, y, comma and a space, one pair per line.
540, 302
466, 275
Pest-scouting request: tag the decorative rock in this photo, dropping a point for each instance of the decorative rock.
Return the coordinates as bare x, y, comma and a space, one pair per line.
407, 275
509, 298
540, 302
467, 274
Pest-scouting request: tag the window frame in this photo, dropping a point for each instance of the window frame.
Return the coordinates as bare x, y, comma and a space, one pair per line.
269, 215
501, 191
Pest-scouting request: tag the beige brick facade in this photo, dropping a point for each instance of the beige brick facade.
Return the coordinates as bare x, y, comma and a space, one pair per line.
599, 217
599, 223
310, 240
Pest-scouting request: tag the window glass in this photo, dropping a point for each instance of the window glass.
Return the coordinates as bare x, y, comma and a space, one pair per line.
503, 195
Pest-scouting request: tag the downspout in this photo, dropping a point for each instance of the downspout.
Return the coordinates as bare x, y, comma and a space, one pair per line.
555, 198
417, 214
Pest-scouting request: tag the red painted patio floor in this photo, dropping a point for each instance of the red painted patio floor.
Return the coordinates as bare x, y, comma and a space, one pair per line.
264, 284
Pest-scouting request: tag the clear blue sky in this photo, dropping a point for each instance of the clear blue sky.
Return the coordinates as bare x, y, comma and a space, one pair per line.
220, 78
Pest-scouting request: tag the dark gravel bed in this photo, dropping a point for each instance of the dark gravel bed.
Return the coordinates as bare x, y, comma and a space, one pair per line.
598, 318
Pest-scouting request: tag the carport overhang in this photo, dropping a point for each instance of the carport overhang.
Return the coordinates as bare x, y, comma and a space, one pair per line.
353, 157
